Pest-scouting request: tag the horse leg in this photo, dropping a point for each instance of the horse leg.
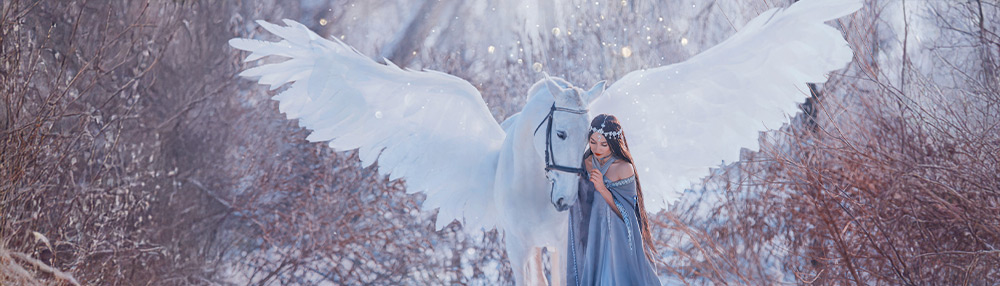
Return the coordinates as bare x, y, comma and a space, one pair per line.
521, 257
558, 254
558, 271
536, 269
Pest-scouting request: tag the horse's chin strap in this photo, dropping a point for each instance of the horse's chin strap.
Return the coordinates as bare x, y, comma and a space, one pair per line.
550, 158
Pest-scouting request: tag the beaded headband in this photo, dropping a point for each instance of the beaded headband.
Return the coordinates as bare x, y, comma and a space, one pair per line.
607, 134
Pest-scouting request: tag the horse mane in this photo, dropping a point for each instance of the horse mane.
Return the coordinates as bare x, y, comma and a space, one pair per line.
539, 87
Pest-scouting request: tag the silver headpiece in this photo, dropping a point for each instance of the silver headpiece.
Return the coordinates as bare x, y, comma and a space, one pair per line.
607, 134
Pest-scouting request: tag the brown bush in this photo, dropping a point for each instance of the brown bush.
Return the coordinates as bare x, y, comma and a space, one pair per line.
890, 178
100, 102
70, 93
120, 149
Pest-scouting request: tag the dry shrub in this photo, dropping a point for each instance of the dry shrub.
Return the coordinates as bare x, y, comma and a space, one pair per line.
346, 225
890, 178
70, 92
898, 182
128, 141
96, 122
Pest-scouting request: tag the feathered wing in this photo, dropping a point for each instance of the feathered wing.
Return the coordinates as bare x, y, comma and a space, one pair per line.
683, 118
431, 128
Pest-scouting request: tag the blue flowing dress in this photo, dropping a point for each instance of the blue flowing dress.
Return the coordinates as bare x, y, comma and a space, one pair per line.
604, 248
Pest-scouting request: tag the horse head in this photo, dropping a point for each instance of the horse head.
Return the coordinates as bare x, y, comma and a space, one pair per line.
561, 138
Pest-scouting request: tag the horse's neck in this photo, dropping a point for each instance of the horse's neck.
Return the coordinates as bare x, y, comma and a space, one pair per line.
532, 115
522, 167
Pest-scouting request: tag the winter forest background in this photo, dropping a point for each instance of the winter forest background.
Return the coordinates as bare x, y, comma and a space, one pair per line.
131, 154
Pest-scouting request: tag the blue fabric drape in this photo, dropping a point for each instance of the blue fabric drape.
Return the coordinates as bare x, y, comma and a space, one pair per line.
605, 249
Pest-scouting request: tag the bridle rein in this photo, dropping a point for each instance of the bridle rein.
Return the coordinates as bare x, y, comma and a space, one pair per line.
550, 158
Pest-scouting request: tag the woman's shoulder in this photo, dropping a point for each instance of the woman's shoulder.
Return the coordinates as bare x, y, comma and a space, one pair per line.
620, 169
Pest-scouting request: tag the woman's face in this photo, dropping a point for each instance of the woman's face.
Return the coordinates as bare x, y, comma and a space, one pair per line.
599, 145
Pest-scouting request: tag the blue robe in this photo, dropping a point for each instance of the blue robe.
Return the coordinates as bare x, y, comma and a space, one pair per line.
604, 248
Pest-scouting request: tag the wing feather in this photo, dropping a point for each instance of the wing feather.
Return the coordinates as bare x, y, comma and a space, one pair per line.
431, 128
683, 118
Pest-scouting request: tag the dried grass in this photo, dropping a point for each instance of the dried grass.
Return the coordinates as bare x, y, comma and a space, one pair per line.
14, 273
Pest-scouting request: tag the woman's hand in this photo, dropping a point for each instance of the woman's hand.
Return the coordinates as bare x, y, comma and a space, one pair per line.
598, 179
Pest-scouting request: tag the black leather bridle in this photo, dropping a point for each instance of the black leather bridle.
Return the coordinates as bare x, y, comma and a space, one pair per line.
550, 159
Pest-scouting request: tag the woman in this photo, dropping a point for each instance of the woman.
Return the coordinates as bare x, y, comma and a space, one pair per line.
616, 241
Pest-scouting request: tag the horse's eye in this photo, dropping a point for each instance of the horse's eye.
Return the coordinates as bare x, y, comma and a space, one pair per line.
561, 134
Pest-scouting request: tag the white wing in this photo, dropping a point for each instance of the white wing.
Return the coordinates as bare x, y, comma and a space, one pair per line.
683, 118
432, 128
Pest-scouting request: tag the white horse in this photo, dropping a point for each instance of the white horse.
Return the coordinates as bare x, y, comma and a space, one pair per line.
435, 130
544, 145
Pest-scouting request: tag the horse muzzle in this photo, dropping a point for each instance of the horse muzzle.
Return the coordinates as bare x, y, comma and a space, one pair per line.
561, 204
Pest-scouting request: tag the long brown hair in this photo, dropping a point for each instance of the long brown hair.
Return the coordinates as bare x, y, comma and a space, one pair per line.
619, 148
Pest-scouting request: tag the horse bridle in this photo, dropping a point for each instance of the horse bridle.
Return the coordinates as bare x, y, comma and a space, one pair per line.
550, 164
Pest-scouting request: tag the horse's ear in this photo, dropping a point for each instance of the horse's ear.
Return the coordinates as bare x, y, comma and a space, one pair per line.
595, 91
554, 88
